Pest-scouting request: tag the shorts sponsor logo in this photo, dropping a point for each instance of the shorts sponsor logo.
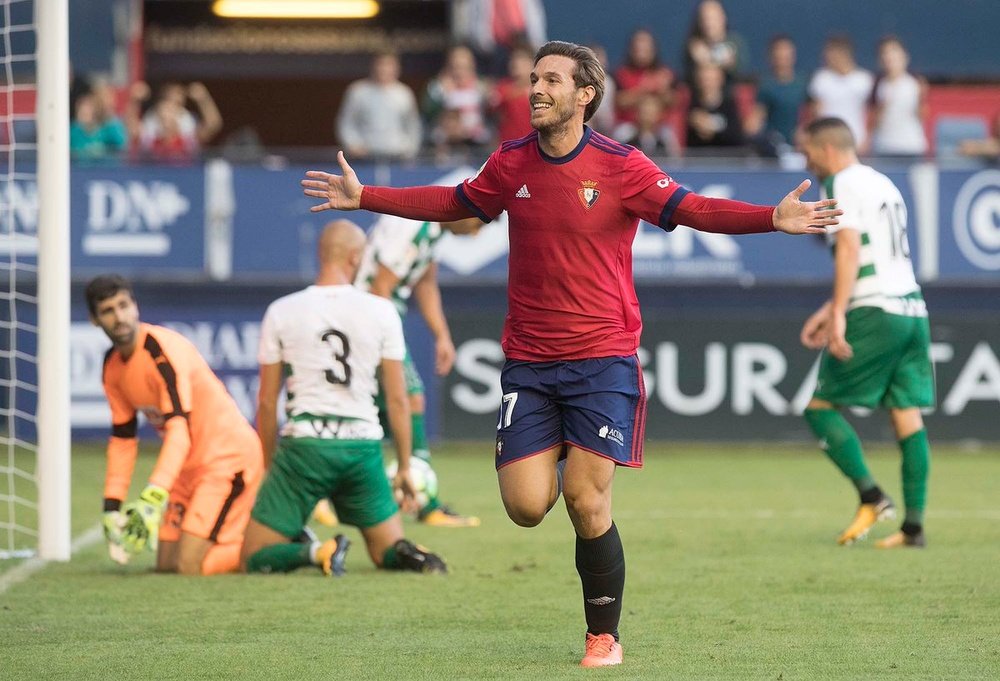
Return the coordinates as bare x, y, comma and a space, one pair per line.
601, 600
613, 434
499, 446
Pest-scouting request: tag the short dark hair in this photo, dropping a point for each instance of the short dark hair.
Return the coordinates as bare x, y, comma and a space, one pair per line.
779, 38
589, 71
889, 39
841, 41
103, 287
835, 130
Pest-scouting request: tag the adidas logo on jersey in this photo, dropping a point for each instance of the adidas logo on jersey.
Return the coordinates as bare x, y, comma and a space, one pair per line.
523, 192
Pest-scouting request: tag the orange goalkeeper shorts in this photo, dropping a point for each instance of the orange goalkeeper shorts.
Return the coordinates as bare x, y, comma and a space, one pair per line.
214, 506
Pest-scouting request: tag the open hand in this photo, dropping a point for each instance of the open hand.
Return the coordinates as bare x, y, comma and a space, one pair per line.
804, 217
340, 192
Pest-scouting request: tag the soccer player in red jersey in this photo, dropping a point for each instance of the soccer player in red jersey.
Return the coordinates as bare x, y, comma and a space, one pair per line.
574, 403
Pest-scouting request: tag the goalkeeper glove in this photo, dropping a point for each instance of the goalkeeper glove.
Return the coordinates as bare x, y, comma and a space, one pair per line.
113, 522
142, 519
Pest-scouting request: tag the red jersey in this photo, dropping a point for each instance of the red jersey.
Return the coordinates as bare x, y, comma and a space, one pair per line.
572, 223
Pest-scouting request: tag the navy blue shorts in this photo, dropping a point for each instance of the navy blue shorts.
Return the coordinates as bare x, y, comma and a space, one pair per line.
598, 405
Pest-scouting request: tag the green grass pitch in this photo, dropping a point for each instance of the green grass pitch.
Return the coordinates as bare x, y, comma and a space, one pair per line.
733, 573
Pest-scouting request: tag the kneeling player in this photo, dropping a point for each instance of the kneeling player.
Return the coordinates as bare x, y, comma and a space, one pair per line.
210, 464
328, 341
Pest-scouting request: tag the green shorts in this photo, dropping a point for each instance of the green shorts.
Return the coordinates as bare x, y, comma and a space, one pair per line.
348, 472
891, 366
414, 384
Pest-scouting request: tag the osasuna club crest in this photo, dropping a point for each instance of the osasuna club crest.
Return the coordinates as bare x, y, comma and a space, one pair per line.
589, 193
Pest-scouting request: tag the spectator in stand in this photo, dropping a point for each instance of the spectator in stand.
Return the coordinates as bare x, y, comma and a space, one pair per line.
713, 120
649, 133
780, 97
509, 101
710, 41
96, 133
988, 148
168, 131
900, 103
603, 120
379, 116
642, 75
459, 91
494, 28
841, 89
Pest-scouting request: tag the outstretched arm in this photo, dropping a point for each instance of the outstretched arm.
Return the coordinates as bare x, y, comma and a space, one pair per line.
726, 216
345, 192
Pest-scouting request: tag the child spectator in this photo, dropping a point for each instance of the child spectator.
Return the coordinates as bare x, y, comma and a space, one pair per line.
642, 75
649, 133
713, 120
458, 89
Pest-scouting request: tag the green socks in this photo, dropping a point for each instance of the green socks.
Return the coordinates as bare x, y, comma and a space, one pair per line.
916, 468
420, 448
390, 560
280, 558
839, 441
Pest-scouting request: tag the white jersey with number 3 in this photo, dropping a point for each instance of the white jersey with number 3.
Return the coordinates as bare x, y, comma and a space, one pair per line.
331, 340
874, 207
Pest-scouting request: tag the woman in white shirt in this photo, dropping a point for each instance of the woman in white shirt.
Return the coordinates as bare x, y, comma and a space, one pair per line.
899, 101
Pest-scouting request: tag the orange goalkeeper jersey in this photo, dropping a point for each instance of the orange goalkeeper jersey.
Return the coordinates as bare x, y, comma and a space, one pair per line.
172, 385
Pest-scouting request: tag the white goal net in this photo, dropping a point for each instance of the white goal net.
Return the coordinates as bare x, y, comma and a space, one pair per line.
34, 283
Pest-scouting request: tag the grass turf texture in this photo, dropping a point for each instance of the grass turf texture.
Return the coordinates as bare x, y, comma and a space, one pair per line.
733, 573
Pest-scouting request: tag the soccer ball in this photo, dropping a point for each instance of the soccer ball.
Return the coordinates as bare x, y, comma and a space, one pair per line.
424, 480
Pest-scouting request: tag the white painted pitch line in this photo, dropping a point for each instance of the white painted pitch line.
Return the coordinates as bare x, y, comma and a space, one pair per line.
29, 567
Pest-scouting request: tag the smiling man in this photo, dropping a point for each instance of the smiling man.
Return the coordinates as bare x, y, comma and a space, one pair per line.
211, 463
574, 404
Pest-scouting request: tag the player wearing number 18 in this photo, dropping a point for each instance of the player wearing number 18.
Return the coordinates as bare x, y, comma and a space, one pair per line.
875, 331
326, 343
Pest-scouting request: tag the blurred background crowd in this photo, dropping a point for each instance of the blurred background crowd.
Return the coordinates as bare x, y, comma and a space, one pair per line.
702, 99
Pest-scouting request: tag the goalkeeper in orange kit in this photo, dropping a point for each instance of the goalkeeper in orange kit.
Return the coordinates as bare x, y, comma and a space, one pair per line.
196, 505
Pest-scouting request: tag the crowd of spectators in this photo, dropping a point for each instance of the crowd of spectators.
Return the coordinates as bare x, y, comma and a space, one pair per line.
715, 106
170, 128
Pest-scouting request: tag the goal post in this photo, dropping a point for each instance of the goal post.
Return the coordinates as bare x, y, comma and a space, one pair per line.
52, 113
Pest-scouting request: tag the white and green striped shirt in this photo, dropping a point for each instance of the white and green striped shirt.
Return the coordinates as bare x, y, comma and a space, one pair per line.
874, 207
406, 248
